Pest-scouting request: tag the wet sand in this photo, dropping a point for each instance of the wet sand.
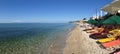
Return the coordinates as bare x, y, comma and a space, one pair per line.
78, 42
57, 46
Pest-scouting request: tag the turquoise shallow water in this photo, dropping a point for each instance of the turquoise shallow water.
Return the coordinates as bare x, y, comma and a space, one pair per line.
30, 38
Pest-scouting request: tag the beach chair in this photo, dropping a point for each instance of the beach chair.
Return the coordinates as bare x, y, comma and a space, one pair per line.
90, 28
87, 29
112, 43
106, 40
99, 31
111, 37
99, 36
93, 30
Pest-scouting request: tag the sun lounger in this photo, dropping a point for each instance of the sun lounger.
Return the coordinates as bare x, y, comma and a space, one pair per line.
111, 38
106, 40
100, 30
87, 29
99, 36
112, 43
93, 30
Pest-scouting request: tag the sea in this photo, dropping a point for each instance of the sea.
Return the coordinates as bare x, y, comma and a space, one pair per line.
33, 38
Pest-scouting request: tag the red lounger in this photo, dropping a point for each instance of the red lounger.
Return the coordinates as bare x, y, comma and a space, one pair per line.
98, 36
112, 43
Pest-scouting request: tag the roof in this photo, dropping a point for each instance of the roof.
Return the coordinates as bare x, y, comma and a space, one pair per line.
113, 7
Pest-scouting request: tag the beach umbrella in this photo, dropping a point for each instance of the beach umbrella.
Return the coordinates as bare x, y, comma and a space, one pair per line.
117, 19
91, 21
112, 20
101, 20
113, 7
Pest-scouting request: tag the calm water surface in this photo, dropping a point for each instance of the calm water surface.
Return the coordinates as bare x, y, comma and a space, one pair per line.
31, 38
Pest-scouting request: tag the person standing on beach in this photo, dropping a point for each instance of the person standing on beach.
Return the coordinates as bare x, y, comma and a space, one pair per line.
84, 22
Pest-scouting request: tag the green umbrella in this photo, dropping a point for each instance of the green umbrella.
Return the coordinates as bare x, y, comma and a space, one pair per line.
91, 21
101, 21
112, 20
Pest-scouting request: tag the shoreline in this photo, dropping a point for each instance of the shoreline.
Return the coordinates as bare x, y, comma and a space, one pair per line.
57, 46
78, 42
70, 41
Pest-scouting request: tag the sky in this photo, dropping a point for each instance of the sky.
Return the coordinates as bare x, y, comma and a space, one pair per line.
48, 11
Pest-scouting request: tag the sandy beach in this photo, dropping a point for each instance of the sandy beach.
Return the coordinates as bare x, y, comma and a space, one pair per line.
78, 42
